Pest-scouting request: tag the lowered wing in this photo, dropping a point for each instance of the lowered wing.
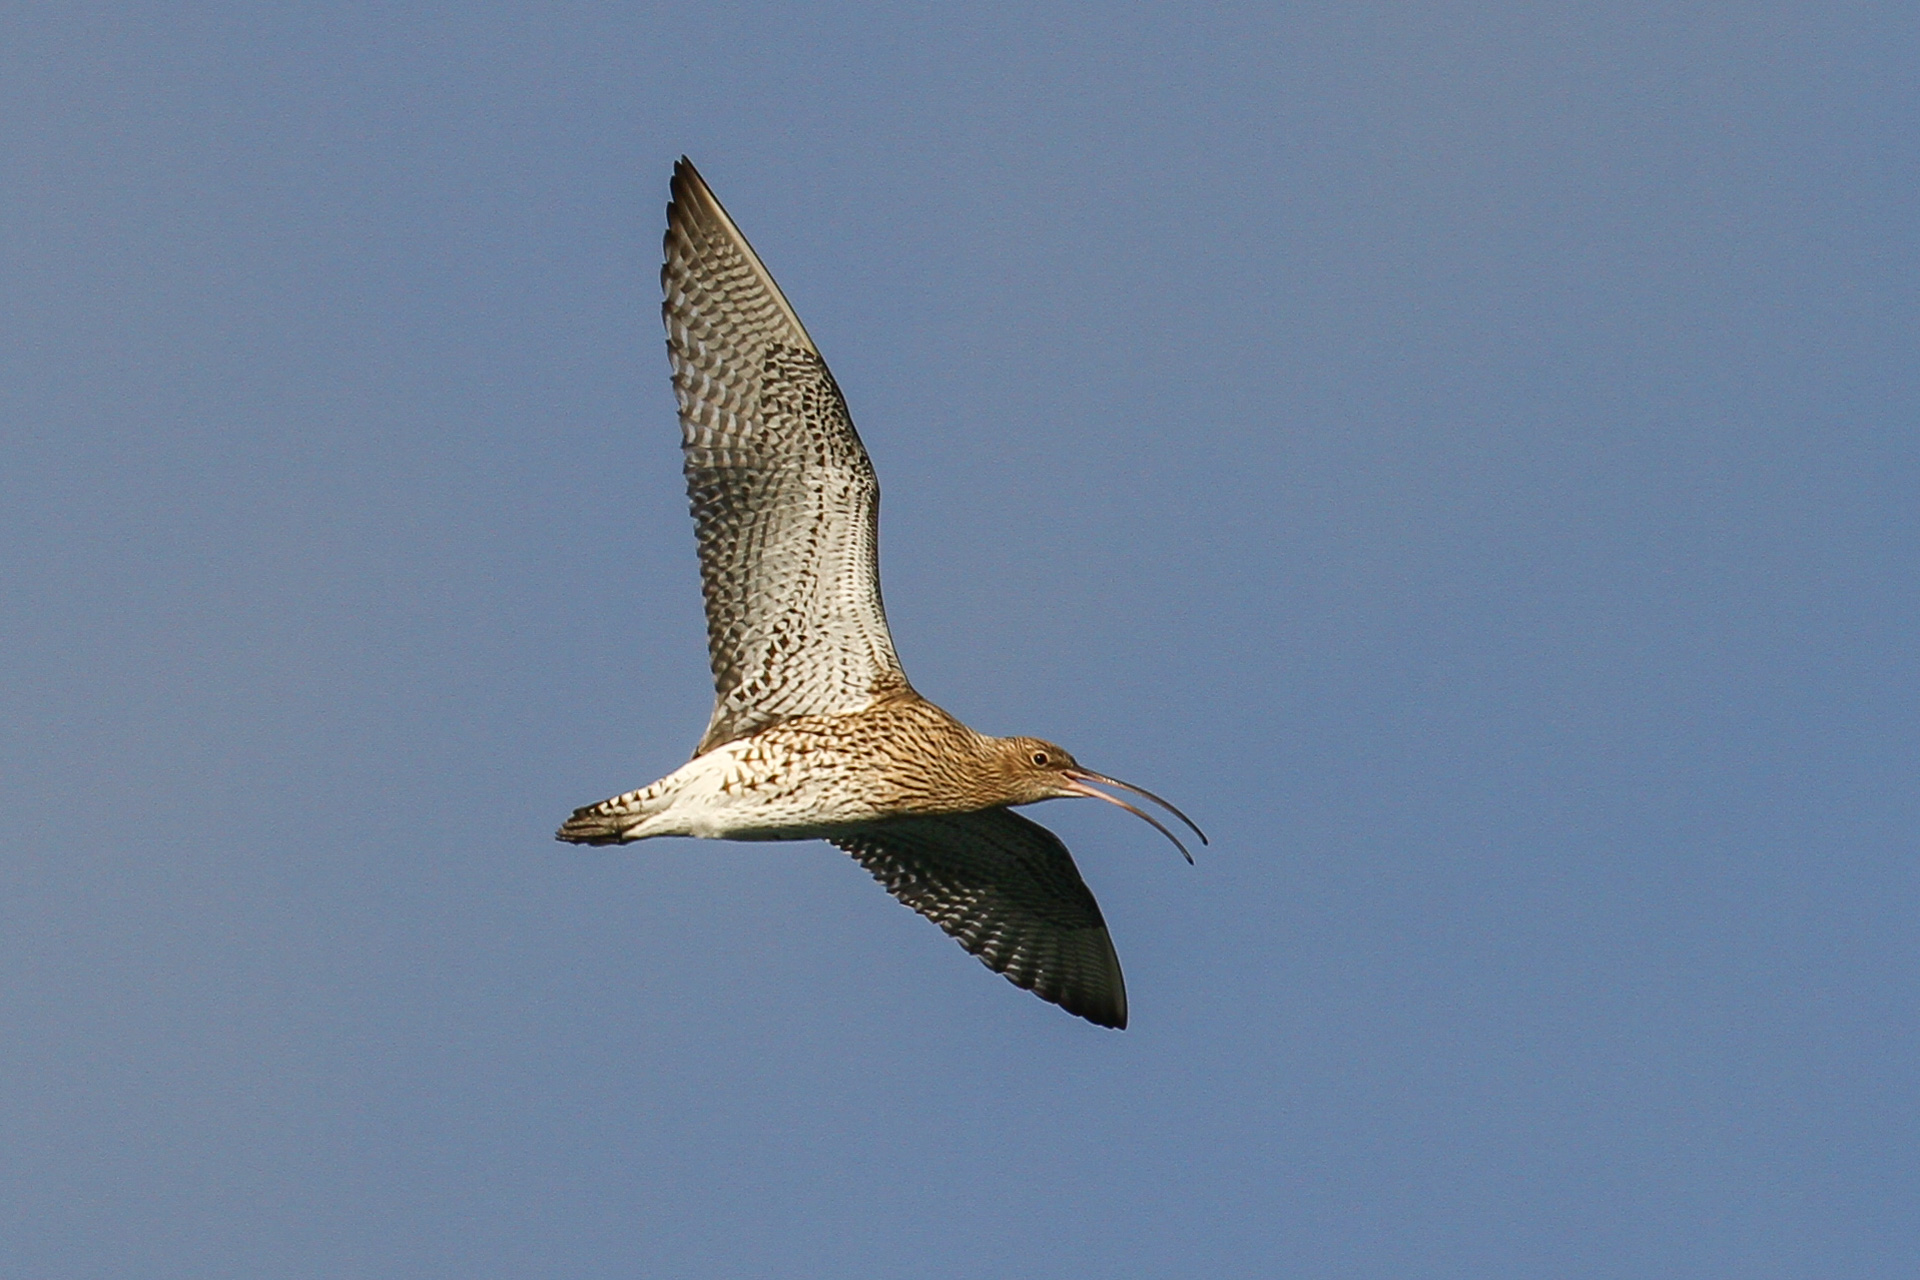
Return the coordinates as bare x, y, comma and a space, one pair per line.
1007, 890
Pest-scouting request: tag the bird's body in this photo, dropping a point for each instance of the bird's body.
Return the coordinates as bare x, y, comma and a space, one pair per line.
808, 777
816, 732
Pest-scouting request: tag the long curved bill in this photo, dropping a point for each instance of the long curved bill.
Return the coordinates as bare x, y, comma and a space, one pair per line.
1080, 784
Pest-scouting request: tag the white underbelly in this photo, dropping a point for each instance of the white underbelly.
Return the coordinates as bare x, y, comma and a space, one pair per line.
736, 792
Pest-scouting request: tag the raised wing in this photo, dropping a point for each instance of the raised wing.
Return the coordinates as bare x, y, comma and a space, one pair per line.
1007, 890
784, 498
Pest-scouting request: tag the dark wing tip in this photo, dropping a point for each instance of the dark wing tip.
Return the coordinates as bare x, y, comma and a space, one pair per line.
682, 190
686, 179
691, 198
1104, 1013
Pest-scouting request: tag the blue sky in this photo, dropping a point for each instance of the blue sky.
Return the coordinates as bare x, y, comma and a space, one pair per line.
1463, 454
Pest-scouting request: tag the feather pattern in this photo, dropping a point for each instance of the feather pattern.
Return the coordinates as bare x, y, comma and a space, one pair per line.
784, 499
1006, 889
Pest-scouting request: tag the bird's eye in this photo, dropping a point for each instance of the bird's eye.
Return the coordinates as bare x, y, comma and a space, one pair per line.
1040, 758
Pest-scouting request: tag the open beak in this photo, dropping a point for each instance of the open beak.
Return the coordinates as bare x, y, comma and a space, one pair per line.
1080, 783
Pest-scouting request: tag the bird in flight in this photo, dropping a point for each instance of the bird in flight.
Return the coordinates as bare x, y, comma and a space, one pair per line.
816, 733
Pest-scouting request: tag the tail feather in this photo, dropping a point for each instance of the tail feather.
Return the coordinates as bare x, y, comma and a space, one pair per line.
609, 822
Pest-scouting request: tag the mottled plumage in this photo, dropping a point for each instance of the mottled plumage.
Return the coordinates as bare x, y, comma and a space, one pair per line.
816, 732
784, 500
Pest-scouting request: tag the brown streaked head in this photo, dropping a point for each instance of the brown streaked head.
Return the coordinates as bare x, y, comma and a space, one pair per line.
1033, 769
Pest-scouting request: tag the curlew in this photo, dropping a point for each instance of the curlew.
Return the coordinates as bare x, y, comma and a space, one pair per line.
816, 733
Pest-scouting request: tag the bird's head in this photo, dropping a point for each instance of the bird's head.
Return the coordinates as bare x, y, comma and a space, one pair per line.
1029, 770
1033, 769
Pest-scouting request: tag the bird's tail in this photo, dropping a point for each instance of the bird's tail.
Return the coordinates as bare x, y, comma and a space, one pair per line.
614, 821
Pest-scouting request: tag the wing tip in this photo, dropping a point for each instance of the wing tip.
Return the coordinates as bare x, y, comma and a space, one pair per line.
694, 216
685, 190
1102, 1000
1111, 1016
1099, 998
687, 184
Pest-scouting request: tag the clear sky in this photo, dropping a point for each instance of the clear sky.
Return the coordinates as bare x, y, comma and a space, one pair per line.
1463, 454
